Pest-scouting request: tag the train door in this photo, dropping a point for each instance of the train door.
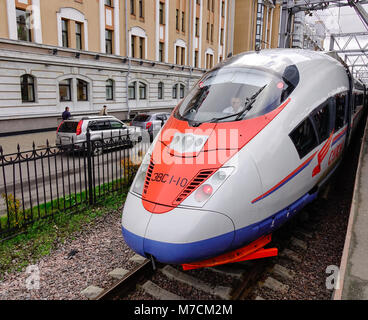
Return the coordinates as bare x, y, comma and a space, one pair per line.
349, 110
339, 107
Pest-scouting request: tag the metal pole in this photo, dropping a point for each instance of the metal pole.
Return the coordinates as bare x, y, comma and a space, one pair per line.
89, 168
332, 42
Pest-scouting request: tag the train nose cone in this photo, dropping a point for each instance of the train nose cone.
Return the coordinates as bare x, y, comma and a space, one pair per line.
178, 236
187, 235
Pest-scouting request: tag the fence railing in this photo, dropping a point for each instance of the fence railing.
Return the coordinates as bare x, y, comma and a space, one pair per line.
43, 182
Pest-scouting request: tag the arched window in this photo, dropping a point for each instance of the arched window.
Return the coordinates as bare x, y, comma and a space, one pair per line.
82, 90
142, 91
110, 89
65, 90
27, 84
175, 91
182, 90
131, 90
160, 90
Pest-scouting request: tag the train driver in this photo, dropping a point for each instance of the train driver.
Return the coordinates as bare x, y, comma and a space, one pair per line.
235, 106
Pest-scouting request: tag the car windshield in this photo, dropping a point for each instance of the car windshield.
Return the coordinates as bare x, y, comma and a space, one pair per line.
229, 94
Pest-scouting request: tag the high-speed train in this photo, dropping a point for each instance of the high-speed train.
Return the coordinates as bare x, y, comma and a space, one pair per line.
247, 148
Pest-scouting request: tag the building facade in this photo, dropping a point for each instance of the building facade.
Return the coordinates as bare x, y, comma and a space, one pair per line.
131, 55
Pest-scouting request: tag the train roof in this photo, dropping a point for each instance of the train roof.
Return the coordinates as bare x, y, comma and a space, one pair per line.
278, 59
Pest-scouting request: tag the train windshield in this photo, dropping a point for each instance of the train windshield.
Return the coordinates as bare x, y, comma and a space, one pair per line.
231, 94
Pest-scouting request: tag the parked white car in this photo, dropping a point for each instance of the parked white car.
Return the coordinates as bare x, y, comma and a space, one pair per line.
73, 132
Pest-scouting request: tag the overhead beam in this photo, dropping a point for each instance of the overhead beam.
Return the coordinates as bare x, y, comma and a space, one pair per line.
361, 51
360, 11
339, 35
321, 4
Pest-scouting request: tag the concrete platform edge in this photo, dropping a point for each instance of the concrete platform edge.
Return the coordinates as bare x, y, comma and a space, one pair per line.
337, 294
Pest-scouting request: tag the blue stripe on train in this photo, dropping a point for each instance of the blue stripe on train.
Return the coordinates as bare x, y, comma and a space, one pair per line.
175, 253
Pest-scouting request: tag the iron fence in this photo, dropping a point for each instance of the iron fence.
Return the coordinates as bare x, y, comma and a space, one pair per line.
43, 182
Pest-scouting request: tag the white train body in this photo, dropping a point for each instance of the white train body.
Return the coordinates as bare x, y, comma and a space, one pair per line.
283, 157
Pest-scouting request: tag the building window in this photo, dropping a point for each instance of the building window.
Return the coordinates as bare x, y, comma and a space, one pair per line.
177, 52
160, 90
162, 13
182, 90
222, 36
208, 31
183, 21
212, 32
132, 7
142, 91
65, 32
65, 90
27, 84
110, 89
213, 5
132, 46
177, 20
196, 59
209, 61
23, 25
141, 9
108, 3
161, 52
141, 48
223, 9
82, 90
175, 91
182, 56
78, 35
108, 41
197, 27
131, 91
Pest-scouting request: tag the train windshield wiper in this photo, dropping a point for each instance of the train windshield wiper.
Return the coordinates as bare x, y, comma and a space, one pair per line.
248, 105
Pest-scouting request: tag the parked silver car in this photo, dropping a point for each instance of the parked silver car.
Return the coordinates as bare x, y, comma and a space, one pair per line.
152, 122
73, 132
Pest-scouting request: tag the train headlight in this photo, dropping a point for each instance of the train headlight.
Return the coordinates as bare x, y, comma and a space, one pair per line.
204, 192
140, 177
199, 197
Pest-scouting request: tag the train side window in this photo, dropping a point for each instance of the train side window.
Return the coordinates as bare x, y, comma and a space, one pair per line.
321, 119
340, 100
304, 138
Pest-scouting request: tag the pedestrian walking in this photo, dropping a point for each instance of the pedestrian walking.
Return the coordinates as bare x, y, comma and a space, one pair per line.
66, 114
103, 111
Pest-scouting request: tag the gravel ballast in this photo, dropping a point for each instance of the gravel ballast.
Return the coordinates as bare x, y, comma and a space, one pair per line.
82, 261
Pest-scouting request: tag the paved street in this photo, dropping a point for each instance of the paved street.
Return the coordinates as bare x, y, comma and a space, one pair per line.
25, 141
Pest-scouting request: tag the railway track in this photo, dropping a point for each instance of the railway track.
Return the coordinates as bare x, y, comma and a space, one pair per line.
229, 282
